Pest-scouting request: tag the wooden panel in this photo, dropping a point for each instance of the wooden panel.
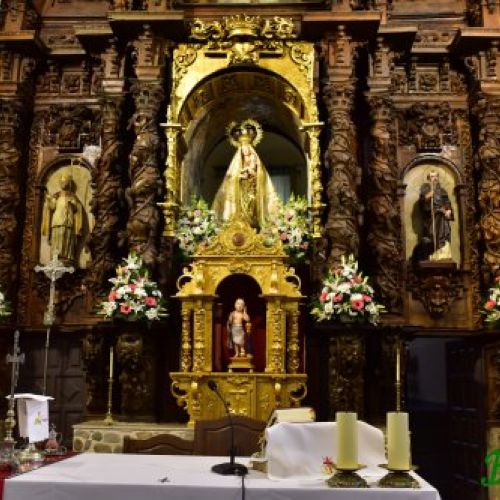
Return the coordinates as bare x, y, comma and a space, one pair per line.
65, 377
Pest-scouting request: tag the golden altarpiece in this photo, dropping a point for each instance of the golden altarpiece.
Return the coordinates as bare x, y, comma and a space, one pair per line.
240, 55
239, 250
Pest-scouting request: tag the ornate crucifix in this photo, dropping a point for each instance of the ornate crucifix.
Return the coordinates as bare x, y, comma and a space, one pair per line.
54, 270
16, 358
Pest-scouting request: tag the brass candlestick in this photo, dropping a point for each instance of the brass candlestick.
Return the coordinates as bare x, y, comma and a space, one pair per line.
347, 478
396, 478
108, 420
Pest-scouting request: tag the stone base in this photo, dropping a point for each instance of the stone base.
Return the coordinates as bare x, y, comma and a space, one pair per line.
95, 436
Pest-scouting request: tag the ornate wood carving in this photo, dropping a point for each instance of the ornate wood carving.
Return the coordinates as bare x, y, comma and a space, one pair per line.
488, 153
107, 199
92, 357
341, 155
10, 155
437, 285
29, 221
384, 224
347, 359
341, 225
71, 127
428, 127
136, 374
143, 227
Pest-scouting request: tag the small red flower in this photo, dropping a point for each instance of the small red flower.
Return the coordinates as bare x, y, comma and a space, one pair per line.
133, 286
323, 297
367, 298
490, 305
150, 301
125, 309
112, 296
357, 305
327, 461
338, 297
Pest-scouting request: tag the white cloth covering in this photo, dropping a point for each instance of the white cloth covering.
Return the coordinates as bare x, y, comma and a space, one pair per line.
297, 450
99, 476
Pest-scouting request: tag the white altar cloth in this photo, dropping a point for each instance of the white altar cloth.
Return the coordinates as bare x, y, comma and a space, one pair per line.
96, 476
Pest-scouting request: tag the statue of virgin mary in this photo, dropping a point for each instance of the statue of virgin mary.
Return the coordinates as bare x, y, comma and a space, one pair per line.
247, 192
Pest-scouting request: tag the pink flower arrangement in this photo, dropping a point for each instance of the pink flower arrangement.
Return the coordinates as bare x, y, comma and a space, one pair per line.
491, 308
347, 296
133, 296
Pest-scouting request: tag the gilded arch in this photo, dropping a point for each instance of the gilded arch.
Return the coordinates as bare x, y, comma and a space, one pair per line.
257, 52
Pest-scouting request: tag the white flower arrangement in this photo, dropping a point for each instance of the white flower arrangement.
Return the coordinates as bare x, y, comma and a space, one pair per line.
196, 225
291, 224
491, 307
4, 306
346, 295
133, 296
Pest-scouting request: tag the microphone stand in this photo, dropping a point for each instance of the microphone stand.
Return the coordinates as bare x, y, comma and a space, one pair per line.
230, 468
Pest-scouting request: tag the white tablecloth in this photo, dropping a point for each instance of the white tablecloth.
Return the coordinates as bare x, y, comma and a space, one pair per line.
297, 450
95, 476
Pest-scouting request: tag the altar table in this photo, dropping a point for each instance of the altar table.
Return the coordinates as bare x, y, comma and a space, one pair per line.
90, 476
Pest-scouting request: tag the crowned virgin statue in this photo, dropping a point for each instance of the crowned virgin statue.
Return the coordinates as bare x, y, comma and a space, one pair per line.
247, 192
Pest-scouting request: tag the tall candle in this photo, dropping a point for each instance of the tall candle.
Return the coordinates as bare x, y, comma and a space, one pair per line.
111, 362
398, 441
398, 361
347, 440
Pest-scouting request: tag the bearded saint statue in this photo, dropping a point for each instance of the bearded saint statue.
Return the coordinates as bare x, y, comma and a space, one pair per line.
247, 192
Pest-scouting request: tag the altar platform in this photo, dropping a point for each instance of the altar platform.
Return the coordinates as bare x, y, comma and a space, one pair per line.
98, 437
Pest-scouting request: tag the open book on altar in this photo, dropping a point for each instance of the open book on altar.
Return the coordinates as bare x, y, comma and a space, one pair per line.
298, 415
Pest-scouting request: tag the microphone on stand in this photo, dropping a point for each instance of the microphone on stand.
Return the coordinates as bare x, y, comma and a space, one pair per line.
230, 468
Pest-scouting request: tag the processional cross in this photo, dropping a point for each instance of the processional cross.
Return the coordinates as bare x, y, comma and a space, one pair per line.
15, 359
54, 270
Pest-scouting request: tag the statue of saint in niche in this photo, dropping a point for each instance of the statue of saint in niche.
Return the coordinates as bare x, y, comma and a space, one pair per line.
436, 211
236, 328
63, 220
247, 192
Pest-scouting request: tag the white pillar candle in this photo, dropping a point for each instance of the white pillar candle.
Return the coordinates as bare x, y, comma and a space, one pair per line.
347, 440
111, 362
398, 441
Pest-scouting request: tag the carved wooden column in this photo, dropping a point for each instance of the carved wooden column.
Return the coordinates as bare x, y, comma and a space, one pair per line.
15, 106
341, 155
383, 218
11, 112
488, 152
107, 199
143, 227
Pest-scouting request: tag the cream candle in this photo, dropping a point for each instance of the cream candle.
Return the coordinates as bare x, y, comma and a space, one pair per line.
347, 440
398, 441
111, 362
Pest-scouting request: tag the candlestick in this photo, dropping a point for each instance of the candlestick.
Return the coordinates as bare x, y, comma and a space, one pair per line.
398, 441
347, 440
108, 420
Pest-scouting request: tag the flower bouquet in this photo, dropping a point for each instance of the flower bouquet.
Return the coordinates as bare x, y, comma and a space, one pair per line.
290, 223
196, 225
491, 307
4, 306
133, 296
346, 295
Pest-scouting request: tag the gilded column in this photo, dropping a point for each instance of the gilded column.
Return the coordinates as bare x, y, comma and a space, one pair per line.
341, 155
186, 359
293, 341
